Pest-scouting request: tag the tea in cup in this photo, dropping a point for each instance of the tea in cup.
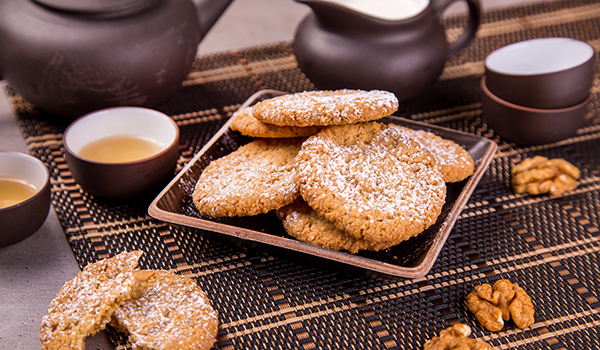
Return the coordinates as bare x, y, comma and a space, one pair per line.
122, 152
14, 190
24, 196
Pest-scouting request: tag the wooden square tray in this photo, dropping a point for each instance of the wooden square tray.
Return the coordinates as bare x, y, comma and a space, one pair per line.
411, 259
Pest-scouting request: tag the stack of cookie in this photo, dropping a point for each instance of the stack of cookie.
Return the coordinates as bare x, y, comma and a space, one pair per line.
335, 177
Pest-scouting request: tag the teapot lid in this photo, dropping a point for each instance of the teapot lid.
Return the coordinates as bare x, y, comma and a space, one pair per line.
94, 6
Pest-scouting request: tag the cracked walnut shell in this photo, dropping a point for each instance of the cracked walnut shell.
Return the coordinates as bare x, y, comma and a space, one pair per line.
456, 338
540, 175
492, 306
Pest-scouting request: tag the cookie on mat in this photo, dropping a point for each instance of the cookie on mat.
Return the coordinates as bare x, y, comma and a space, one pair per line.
325, 107
371, 180
244, 122
303, 223
453, 161
169, 311
85, 304
256, 178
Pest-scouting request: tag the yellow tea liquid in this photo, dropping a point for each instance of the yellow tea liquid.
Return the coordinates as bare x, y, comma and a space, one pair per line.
14, 190
120, 149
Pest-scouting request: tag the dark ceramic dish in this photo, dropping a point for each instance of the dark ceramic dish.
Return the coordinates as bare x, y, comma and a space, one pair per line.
413, 258
531, 126
546, 73
23, 219
129, 179
403, 55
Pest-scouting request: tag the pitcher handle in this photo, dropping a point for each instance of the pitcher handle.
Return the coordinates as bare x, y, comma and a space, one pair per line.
472, 23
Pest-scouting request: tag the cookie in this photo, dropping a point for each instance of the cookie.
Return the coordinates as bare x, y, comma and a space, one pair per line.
325, 107
254, 179
85, 304
303, 223
371, 180
453, 161
244, 122
169, 311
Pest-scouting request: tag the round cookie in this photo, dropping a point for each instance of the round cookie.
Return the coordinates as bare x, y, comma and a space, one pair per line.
244, 122
303, 223
453, 161
85, 304
371, 181
169, 311
254, 179
326, 107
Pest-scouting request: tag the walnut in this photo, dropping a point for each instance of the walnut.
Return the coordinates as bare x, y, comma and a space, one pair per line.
482, 305
505, 301
521, 308
539, 175
456, 337
563, 183
566, 167
527, 164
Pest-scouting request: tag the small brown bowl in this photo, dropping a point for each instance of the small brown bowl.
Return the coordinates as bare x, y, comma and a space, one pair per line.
110, 177
531, 126
542, 73
22, 215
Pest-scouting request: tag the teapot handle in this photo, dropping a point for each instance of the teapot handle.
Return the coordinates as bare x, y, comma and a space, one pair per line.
472, 23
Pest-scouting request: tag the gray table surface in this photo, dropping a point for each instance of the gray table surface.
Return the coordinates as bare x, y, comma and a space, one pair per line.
32, 271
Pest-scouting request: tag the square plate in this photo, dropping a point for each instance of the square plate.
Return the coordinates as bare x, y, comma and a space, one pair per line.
411, 259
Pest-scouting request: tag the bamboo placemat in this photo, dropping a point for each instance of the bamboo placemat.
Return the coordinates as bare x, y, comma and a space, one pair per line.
548, 245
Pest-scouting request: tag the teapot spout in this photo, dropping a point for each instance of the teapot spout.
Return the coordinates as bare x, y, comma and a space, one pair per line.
209, 12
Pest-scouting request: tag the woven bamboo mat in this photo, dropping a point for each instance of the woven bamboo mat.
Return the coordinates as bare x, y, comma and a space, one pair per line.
549, 246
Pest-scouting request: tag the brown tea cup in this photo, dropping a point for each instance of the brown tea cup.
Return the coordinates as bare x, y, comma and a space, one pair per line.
24, 196
542, 73
122, 152
531, 126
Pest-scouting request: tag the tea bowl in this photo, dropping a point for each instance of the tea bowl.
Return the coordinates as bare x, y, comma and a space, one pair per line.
22, 213
114, 171
531, 126
542, 73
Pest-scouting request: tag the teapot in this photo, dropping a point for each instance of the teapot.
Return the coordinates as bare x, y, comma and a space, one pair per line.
70, 57
399, 46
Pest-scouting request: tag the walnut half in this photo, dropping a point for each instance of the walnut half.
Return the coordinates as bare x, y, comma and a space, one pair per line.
540, 175
456, 338
505, 301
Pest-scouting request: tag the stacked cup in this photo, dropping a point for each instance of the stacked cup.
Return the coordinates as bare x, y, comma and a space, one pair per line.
537, 91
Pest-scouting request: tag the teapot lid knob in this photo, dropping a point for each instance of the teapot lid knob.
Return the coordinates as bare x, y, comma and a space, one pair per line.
95, 6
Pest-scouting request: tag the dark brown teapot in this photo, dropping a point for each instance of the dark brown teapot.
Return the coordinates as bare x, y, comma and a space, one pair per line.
403, 49
70, 57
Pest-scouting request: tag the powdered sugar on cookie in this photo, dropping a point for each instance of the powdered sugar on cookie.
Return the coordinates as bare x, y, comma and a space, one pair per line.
168, 312
255, 179
453, 161
158, 309
324, 107
85, 304
371, 180
303, 223
244, 122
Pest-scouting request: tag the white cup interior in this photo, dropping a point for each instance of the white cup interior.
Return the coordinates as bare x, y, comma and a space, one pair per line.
539, 56
386, 9
14, 164
130, 121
